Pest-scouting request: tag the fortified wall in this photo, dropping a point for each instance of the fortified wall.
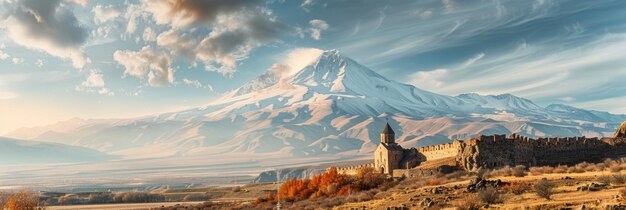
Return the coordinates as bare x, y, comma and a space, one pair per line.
439, 151
498, 151
352, 170
490, 152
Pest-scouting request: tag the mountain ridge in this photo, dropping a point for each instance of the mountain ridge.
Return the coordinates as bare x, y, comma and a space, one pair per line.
332, 105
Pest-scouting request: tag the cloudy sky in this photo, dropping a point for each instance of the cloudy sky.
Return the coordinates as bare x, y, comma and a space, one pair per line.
107, 58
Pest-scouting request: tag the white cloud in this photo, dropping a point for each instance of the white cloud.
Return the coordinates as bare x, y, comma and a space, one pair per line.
39, 63
94, 79
236, 28
297, 59
567, 99
529, 71
3, 55
426, 14
149, 35
133, 14
105, 13
473, 60
80, 2
94, 83
106, 91
306, 4
150, 63
49, 27
428, 79
449, 5
317, 26
194, 83
17, 60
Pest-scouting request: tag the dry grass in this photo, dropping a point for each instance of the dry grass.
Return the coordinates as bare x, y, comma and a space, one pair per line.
490, 195
437, 181
469, 203
516, 188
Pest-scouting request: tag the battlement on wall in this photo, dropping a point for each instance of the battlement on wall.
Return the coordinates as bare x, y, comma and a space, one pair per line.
351, 170
518, 139
438, 147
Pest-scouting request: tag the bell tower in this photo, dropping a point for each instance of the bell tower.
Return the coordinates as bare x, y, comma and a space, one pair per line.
387, 136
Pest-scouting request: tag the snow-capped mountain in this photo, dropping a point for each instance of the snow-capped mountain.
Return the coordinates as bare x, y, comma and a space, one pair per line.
13, 151
332, 105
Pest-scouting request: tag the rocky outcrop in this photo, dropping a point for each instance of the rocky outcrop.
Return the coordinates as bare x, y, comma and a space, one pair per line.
479, 184
621, 131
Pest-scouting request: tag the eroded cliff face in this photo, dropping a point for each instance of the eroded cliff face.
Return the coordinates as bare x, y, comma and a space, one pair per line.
621, 131
467, 156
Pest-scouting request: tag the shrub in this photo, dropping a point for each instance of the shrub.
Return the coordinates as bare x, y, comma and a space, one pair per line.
137, 197
482, 173
605, 179
519, 171
591, 168
456, 175
516, 188
100, 198
548, 170
368, 178
3, 198
543, 188
68, 200
615, 168
489, 195
576, 169
236, 188
469, 203
506, 171
618, 178
360, 197
437, 181
21, 200
197, 197
560, 169
622, 194
536, 170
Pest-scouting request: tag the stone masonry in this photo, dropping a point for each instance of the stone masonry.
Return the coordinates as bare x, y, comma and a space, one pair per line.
493, 152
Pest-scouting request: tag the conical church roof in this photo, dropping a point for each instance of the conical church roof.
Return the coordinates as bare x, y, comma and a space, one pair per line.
387, 130
621, 131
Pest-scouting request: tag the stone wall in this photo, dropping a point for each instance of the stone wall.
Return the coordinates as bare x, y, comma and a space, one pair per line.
352, 170
498, 151
439, 151
414, 172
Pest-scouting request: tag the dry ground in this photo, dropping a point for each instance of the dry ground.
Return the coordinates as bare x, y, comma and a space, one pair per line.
120, 206
453, 194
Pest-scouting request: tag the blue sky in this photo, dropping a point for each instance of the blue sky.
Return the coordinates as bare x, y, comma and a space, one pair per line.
106, 59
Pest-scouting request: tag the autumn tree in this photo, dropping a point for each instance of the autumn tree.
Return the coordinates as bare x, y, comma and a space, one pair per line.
21, 201
368, 178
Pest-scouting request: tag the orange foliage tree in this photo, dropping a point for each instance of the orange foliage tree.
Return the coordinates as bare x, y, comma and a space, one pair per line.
21, 201
330, 184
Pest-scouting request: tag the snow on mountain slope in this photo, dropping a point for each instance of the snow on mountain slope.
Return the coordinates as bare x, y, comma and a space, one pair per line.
13, 151
501, 102
330, 105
